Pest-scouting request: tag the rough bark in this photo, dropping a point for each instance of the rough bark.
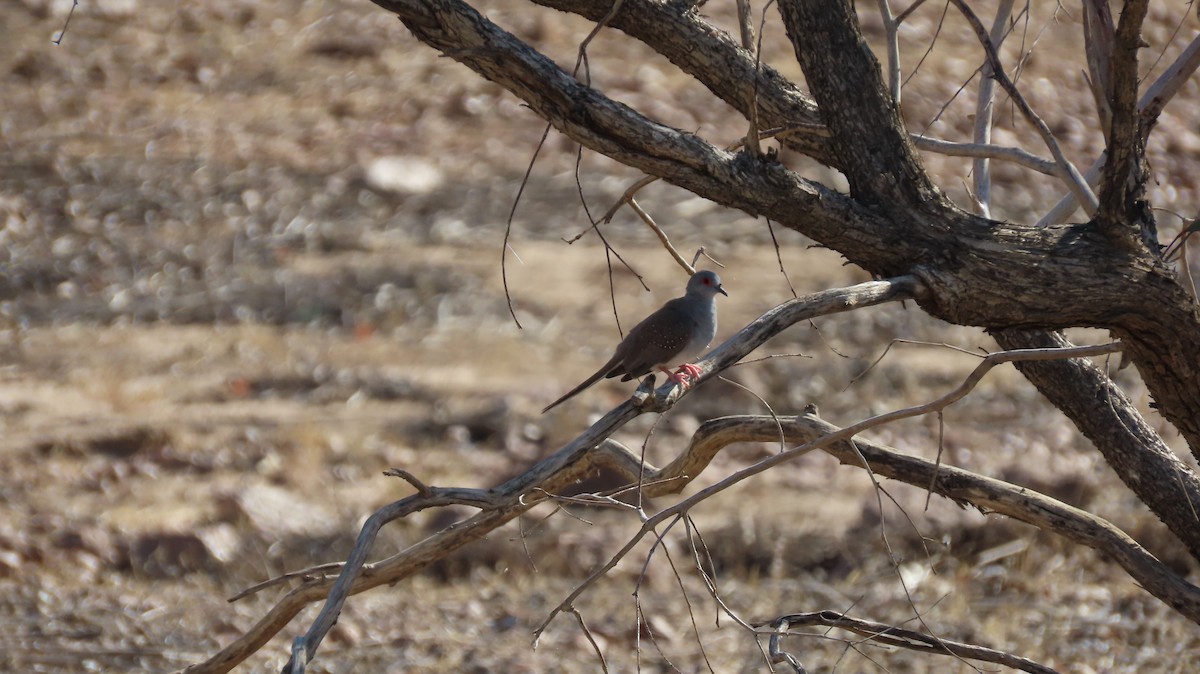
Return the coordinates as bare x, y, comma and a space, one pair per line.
1105, 416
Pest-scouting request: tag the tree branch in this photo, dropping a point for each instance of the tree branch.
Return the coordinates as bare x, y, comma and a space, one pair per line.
985, 151
711, 56
1069, 173
892, 635
1020, 503
1102, 412
1122, 190
832, 52
981, 173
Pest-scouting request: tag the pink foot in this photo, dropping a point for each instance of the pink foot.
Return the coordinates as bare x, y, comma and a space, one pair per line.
686, 375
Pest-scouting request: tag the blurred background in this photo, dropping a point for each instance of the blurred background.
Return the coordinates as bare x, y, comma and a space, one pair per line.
250, 256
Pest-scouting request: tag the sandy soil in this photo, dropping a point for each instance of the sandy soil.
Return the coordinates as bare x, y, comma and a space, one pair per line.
250, 257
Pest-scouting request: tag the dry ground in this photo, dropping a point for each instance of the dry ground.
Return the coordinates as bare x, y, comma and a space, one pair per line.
223, 316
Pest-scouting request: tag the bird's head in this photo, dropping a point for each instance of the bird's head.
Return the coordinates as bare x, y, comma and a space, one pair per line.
706, 283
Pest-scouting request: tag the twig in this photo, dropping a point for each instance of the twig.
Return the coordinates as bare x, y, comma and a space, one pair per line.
986, 151
911, 8
746, 31
591, 639
662, 236
66, 23
422, 488
779, 257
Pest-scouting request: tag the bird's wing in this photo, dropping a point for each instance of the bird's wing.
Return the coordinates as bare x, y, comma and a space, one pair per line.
658, 339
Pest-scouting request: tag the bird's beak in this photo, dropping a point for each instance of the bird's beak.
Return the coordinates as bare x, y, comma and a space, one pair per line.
721, 289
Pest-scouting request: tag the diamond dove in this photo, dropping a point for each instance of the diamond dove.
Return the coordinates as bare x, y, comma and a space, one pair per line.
678, 331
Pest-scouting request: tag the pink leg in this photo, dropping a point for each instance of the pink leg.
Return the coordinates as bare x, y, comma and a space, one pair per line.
686, 375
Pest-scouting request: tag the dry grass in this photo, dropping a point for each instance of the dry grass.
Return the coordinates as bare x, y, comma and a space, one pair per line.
217, 332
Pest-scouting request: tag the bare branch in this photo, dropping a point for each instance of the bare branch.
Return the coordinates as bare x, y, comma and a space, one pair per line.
984, 107
1068, 172
1168, 84
1013, 154
1151, 105
1106, 416
1098, 45
1020, 503
890, 25
746, 29
708, 53
662, 236
892, 635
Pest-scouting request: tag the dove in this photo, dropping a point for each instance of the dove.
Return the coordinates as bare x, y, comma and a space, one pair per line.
678, 331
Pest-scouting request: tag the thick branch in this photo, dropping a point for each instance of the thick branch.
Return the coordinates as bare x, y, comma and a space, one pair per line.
1103, 413
717, 61
845, 79
1123, 187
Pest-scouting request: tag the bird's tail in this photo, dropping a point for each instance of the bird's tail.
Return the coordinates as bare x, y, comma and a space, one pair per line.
608, 367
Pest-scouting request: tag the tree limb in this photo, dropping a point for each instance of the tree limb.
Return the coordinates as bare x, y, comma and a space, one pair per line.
1122, 191
1069, 173
1102, 412
981, 173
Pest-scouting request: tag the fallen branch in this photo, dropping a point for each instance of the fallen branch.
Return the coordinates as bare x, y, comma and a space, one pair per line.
890, 635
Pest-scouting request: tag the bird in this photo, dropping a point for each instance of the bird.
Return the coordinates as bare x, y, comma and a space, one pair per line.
677, 331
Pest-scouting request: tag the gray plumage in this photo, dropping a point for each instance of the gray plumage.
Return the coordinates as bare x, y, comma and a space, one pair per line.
678, 331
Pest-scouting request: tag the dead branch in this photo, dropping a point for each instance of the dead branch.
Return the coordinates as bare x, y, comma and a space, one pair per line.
981, 174
1098, 45
1017, 502
662, 236
891, 635
1015, 155
890, 24
1069, 174
1151, 105
1106, 416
